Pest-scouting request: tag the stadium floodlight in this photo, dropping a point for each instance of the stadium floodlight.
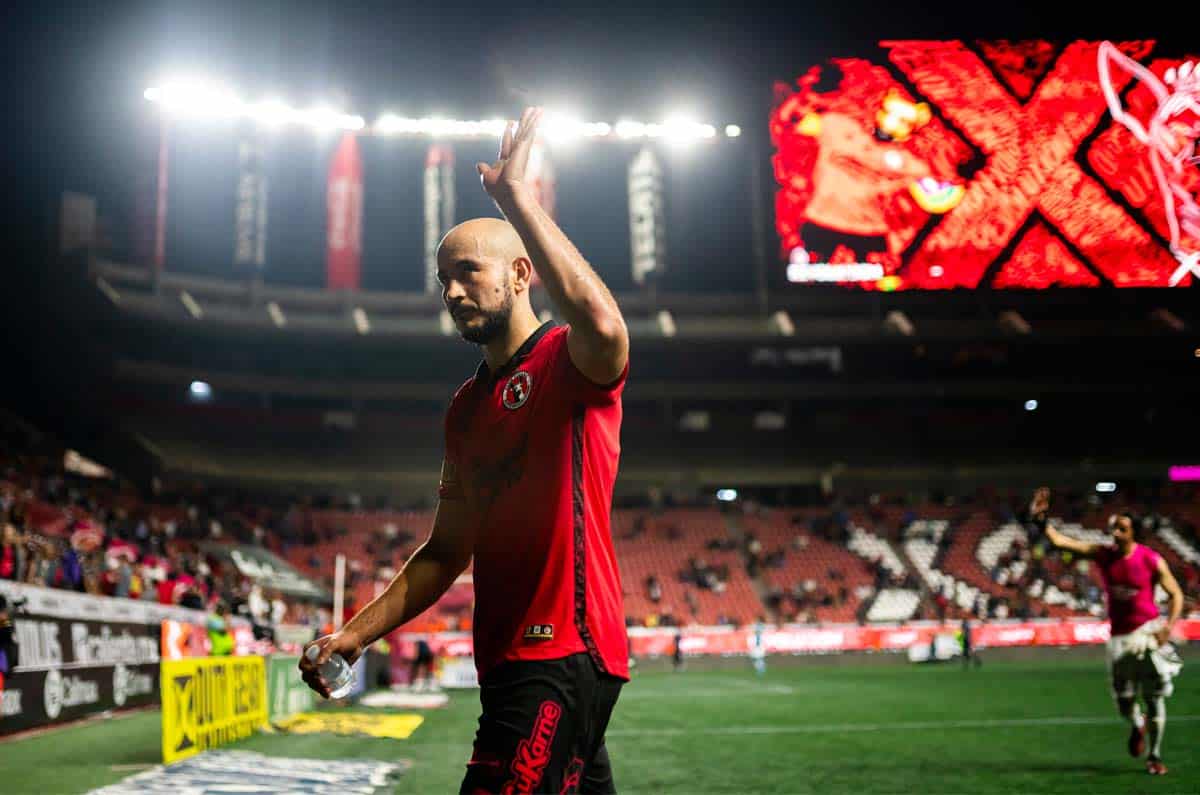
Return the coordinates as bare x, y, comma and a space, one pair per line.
896, 322
191, 304
1031, 405
272, 113
200, 390
630, 129
726, 495
204, 99
782, 323
560, 127
1011, 321
109, 291
1106, 487
684, 129
324, 118
196, 98
666, 323
361, 322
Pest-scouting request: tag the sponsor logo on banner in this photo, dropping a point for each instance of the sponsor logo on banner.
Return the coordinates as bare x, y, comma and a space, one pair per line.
10, 703
1012, 636
128, 683
1097, 632
396, 727
67, 691
73, 646
52, 694
107, 648
40, 647
209, 702
804, 641
246, 771
287, 691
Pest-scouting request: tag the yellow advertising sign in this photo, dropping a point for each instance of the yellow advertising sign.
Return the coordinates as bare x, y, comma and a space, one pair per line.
399, 727
210, 701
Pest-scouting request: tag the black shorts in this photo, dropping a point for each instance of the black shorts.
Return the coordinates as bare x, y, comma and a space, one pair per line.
542, 728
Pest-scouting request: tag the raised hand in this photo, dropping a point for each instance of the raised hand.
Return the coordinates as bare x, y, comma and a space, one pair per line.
506, 177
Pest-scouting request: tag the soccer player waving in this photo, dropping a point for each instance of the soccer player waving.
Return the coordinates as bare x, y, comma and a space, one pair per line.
1140, 656
532, 443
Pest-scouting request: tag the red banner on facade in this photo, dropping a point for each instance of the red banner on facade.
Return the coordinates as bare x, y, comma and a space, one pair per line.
343, 229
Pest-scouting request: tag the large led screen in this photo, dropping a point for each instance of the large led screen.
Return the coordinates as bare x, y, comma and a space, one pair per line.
953, 164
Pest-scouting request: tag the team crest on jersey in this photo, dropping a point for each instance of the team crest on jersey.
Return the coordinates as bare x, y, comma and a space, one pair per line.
517, 389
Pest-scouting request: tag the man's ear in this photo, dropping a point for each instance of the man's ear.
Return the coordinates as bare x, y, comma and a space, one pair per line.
522, 273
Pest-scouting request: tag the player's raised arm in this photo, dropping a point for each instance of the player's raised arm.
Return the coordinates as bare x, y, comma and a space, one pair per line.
1164, 577
1037, 512
598, 342
426, 575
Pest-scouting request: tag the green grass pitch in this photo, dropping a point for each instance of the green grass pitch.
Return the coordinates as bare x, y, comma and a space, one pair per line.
1011, 727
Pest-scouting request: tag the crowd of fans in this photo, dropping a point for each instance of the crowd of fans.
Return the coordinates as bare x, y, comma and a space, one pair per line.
59, 529
94, 535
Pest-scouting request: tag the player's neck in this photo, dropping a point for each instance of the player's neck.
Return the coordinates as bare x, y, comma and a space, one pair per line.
497, 352
1127, 549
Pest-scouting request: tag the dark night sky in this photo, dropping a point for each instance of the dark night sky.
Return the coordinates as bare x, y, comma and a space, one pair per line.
87, 128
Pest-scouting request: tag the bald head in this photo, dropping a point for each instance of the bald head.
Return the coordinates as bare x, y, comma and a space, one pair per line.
485, 273
488, 238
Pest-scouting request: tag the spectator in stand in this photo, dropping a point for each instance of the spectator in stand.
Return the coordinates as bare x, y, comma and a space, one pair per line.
12, 553
653, 589
220, 631
278, 609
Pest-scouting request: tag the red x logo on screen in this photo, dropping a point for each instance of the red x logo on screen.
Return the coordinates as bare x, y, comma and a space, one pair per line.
1031, 166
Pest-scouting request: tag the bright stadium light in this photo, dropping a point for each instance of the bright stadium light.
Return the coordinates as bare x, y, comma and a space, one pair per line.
1106, 487
361, 323
630, 129
191, 304
1031, 405
726, 495
196, 98
562, 127
272, 113
684, 129
205, 99
200, 390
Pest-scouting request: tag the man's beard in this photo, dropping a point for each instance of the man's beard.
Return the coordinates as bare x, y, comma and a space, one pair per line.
495, 323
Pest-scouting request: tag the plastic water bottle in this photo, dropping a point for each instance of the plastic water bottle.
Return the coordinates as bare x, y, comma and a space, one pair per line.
337, 673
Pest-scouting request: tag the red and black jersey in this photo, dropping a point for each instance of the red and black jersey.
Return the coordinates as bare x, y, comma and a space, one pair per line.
536, 446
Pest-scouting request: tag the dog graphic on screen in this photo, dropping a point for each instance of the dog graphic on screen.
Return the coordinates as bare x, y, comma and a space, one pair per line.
861, 166
1170, 133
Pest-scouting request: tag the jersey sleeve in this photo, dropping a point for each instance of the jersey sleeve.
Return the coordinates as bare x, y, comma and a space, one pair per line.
579, 387
452, 427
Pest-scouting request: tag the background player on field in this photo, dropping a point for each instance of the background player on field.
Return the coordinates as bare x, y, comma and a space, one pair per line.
1140, 657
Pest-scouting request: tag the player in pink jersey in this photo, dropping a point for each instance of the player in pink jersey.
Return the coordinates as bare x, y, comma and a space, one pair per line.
1140, 655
